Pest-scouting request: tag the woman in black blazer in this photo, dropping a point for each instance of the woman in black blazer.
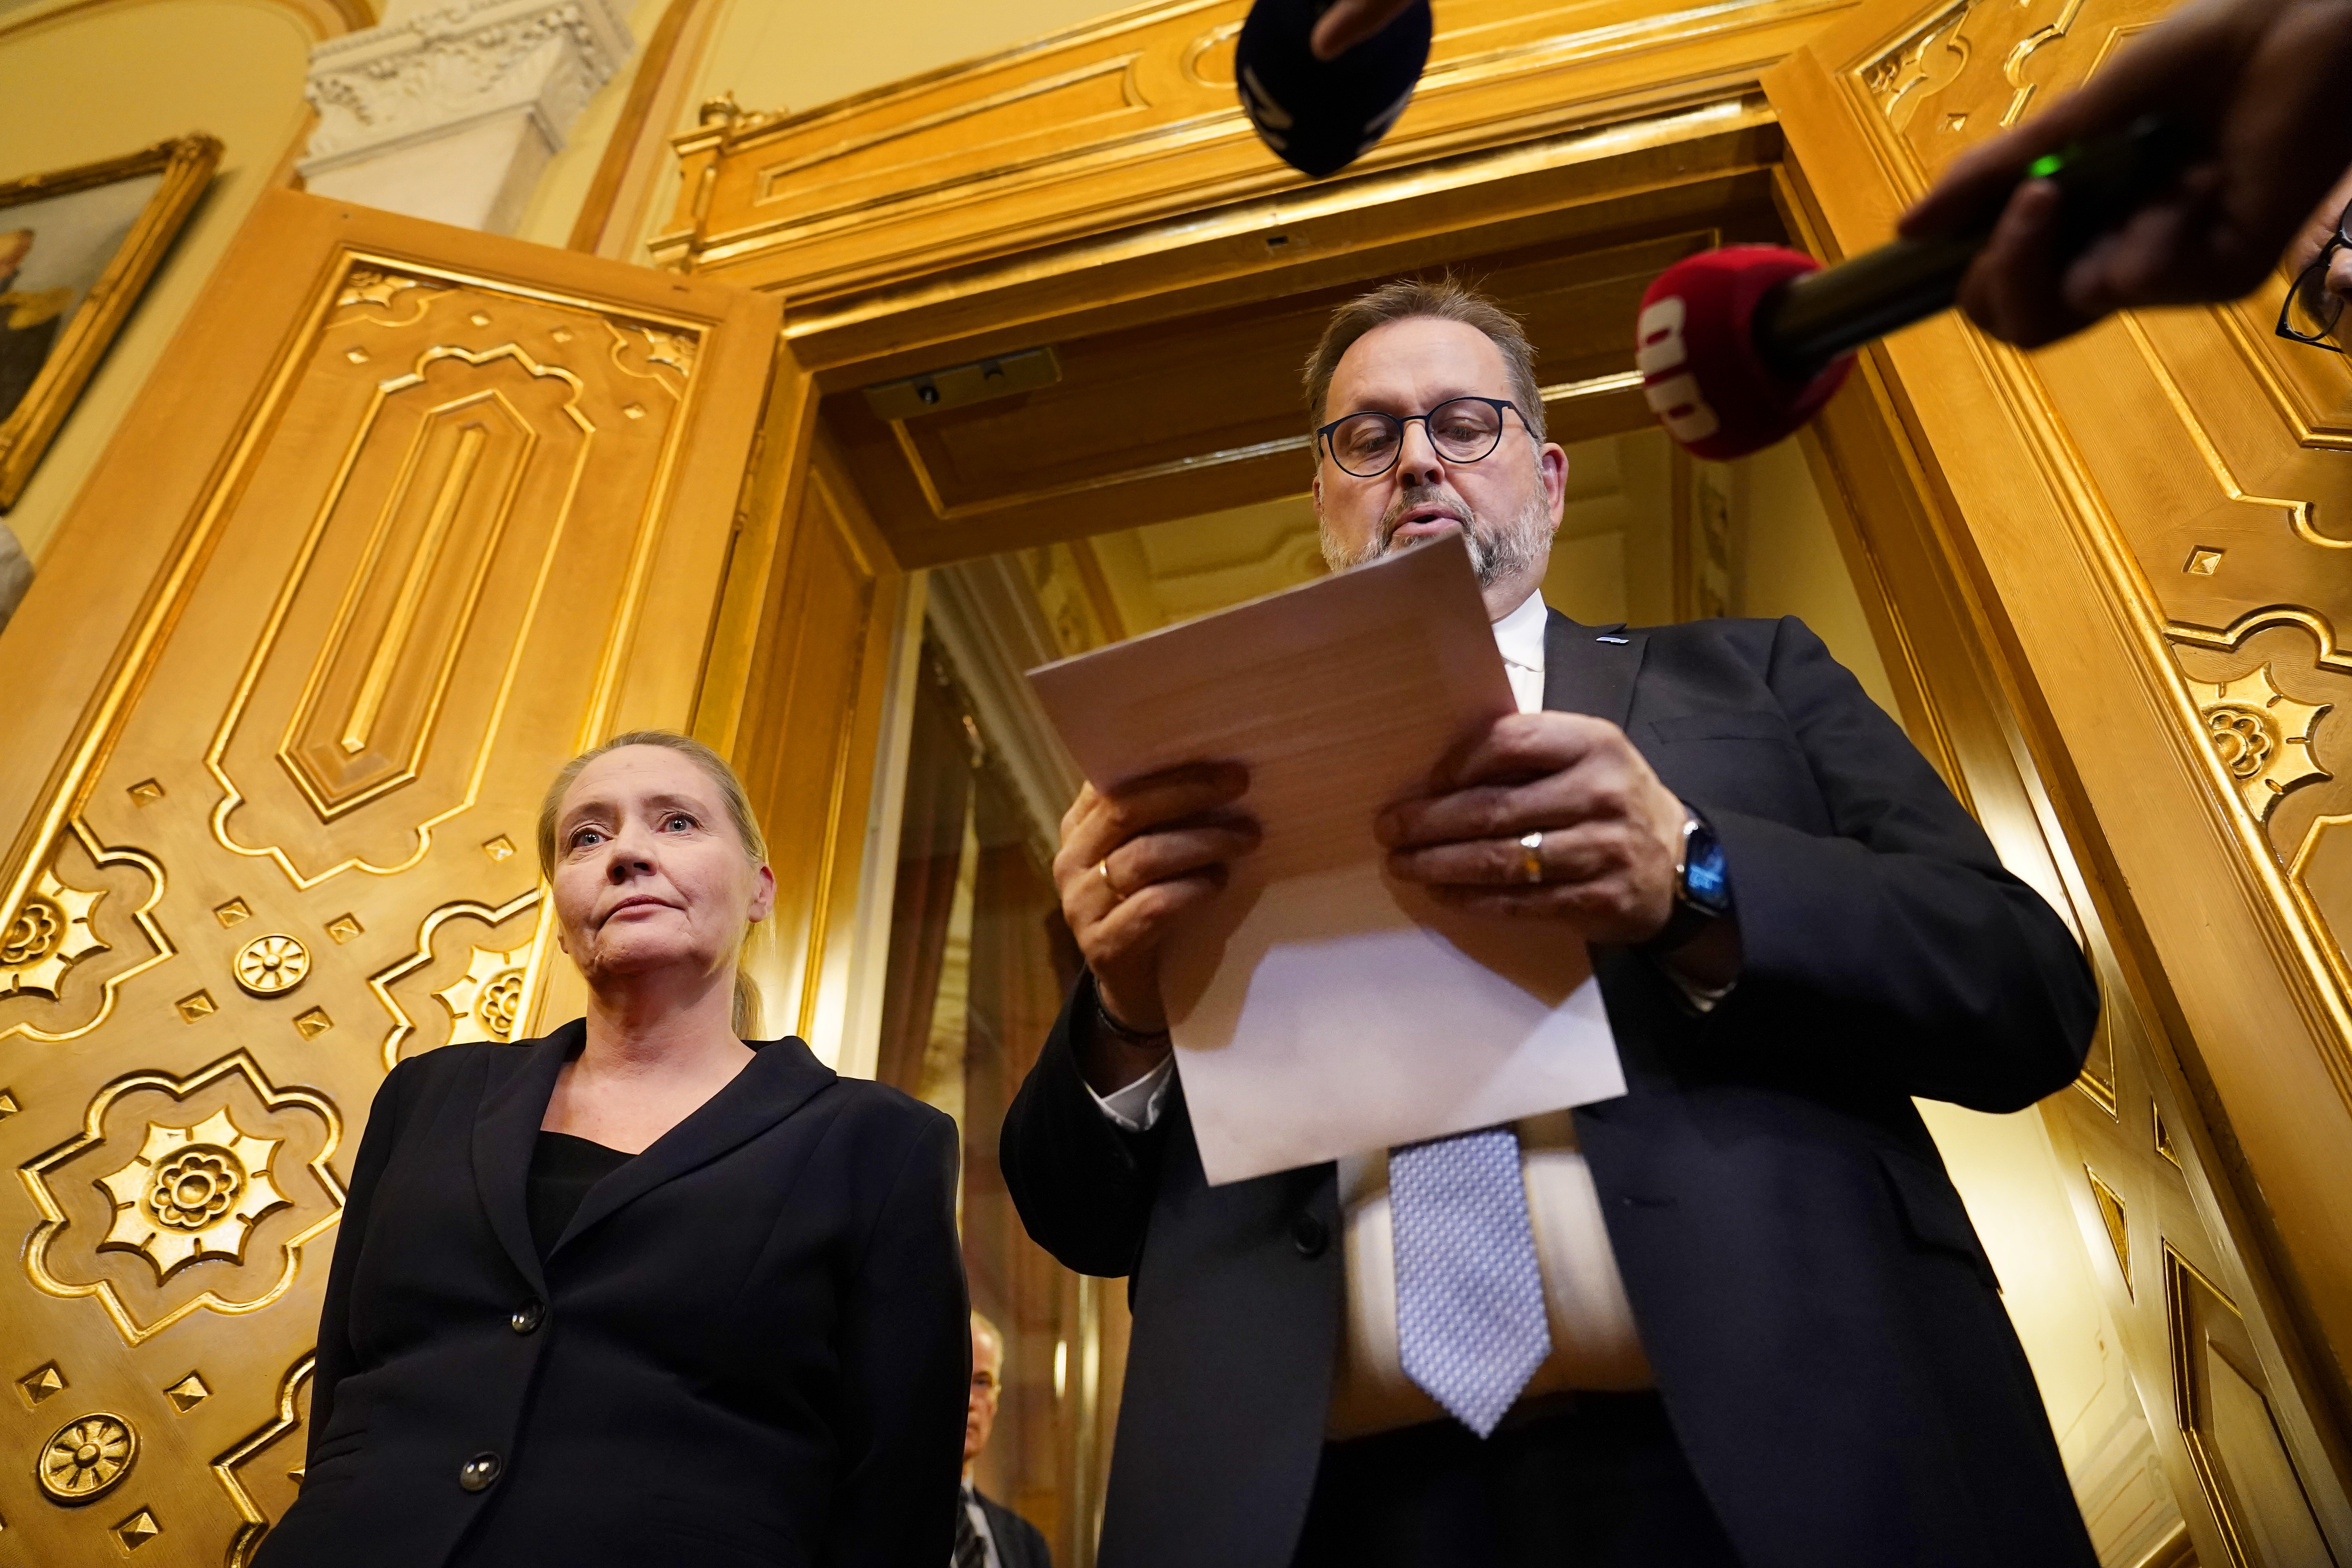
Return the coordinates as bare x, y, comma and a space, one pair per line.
638, 1292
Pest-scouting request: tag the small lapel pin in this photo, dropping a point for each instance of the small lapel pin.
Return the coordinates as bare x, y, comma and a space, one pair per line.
1609, 639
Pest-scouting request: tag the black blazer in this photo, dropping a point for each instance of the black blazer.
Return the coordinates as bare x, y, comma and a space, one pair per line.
1019, 1543
751, 1345
1823, 1325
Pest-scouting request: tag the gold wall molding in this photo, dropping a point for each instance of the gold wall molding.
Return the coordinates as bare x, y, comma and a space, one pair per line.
323, 18
2135, 515
1128, 120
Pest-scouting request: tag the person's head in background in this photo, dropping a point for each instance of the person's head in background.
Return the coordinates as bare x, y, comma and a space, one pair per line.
1429, 421
987, 1389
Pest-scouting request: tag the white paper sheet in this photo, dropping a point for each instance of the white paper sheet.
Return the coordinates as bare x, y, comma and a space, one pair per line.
1319, 1009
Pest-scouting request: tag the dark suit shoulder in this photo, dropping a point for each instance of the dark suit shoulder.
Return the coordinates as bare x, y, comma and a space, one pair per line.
444, 1064
1019, 1543
885, 1106
1751, 636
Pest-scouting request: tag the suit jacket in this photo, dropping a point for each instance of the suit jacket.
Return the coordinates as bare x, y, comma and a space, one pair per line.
749, 1346
1824, 1327
1019, 1543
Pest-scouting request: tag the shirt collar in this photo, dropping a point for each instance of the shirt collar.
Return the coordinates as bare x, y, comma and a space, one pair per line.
1520, 634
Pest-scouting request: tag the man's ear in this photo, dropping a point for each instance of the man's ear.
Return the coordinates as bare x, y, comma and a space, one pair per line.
1316, 490
1551, 468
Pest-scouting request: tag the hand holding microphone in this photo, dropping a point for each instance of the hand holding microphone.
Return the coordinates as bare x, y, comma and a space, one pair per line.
1738, 347
2257, 88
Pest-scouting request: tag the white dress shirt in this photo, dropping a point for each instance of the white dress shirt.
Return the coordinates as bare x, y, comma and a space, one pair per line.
1593, 1341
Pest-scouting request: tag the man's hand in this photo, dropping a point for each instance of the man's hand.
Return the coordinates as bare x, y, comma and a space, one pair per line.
2259, 83
1349, 22
1612, 831
1128, 865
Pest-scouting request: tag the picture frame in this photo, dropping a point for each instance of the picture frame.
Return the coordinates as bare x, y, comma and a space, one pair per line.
78, 248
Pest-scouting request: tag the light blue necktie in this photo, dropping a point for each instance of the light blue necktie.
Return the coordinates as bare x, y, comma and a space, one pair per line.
1470, 1302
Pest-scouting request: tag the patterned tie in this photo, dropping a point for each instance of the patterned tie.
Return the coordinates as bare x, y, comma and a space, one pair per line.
1470, 1302
971, 1550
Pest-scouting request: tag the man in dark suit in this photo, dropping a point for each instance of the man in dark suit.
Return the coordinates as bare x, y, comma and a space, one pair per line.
988, 1534
1738, 1315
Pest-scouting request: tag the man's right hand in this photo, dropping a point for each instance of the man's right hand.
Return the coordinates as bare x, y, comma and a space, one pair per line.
1131, 862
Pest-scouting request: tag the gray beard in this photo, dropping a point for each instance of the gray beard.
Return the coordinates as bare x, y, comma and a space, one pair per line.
1496, 551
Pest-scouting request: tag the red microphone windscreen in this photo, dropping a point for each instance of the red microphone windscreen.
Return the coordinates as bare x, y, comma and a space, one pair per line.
1695, 348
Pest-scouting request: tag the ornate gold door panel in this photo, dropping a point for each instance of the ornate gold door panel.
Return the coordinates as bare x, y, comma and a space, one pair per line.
2144, 516
407, 516
794, 693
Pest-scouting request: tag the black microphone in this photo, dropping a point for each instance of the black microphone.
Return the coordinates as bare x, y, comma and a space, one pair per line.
1319, 116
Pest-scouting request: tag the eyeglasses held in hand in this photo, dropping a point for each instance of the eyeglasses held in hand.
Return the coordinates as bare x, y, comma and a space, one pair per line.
2311, 309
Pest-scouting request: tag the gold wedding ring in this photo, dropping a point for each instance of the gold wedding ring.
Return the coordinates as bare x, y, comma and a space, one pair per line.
1102, 870
1531, 865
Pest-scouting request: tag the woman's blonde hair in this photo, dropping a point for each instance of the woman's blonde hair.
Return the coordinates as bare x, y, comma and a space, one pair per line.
739, 812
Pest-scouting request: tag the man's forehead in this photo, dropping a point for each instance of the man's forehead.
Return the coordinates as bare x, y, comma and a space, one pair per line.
1402, 357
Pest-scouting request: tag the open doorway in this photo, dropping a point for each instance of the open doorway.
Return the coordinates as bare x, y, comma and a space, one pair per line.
980, 958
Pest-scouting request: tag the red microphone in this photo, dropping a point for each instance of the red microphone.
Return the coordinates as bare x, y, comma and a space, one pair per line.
1703, 372
1739, 347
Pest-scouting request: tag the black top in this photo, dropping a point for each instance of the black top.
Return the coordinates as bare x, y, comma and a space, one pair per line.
562, 1169
1823, 1324
749, 1344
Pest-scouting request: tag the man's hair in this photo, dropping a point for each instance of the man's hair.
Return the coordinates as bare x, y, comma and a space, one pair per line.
1447, 300
981, 1325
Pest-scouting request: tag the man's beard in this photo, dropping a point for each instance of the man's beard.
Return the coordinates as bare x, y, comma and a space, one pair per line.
1497, 550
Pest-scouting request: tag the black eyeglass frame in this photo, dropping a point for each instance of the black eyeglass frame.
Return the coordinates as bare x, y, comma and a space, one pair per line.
2315, 275
1499, 405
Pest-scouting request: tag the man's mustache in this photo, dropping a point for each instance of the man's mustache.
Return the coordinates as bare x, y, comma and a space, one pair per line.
1401, 508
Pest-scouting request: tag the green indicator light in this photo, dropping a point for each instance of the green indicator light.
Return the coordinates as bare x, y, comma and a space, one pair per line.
2044, 166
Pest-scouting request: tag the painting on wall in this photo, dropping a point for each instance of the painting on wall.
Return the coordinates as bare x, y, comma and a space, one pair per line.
77, 249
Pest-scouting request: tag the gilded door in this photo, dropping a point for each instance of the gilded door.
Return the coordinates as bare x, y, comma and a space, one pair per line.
2150, 516
408, 516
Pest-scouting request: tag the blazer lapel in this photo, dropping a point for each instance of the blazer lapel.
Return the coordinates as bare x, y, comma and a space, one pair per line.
1591, 669
506, 1130
776, 1082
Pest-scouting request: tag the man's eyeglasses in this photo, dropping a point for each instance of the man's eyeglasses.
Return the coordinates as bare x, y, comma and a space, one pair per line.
1463, 430
2312, 311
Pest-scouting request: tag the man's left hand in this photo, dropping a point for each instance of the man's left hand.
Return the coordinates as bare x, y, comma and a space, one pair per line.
1612, 832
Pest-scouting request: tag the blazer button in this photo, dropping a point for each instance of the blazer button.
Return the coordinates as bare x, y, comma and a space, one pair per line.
527, 1316
1310, 1236
476, 1473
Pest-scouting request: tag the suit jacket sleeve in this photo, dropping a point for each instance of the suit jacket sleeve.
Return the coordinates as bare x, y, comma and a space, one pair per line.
1084, 1187
1897, 947
906, 1363
336, 1355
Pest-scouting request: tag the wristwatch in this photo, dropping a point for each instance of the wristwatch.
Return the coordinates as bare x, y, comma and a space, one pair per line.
1702, 887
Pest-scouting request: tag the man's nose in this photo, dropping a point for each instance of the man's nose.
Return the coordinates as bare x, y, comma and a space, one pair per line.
1417, 459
